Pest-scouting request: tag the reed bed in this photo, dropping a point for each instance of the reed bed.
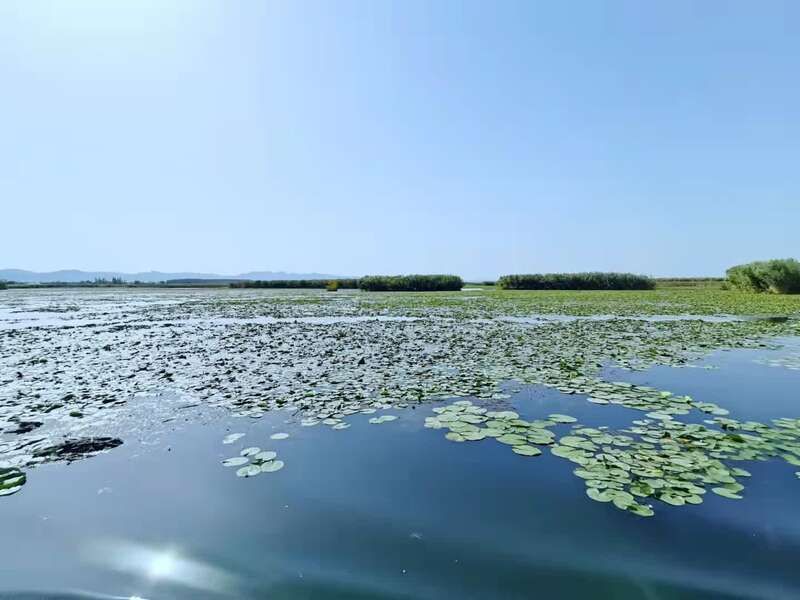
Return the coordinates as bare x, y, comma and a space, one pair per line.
576, 281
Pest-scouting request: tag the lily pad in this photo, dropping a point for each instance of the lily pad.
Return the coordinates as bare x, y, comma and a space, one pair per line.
726, 493
272, 466
249, 471
526, 450
265, 456
559, 418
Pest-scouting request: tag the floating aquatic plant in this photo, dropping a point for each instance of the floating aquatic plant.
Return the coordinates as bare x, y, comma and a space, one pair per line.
265, 461
328, 356
382, 419
11, 481
656, 459
232, 437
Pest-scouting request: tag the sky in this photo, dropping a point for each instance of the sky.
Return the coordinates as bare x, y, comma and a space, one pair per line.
477, 138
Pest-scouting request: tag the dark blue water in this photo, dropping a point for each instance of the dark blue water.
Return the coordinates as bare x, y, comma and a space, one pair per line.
397, 511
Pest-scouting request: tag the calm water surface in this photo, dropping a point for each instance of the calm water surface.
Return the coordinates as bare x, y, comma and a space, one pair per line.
397, 511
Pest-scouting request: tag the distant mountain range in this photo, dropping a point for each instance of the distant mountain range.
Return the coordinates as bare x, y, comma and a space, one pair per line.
74, 276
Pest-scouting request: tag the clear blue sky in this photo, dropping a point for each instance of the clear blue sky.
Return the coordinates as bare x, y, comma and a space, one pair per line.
363, 137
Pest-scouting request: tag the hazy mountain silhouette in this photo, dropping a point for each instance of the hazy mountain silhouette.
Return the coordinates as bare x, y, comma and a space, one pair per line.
73, 276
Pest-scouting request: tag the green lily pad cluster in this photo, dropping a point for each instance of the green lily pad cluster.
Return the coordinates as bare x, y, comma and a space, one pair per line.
333, 413
11, 481
658, 404
467, 422
628, 471
658, 458
254, 461
676, 462
327, 356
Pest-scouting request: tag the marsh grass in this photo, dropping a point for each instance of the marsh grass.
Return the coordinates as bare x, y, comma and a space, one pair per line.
576, 281
410, 283
690, 282
778, 276
297, 284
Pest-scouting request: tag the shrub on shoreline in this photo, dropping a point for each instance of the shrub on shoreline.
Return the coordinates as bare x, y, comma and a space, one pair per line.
576, 281
778, 276
410, 283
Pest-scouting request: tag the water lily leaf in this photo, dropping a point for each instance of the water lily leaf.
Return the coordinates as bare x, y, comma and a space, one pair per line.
264, 456
388, 418
272, 466
792, 459
279, 436
252, 451
232, 437
598, 495
672, 499
11, 480
495, 433
641, 510
511, 439
236, 461
726, 493
559, 418
526, 450
503, 414
249, 471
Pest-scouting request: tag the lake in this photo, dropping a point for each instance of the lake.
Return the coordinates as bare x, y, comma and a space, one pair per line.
365, 507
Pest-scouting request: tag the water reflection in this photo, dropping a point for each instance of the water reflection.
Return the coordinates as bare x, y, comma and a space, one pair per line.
156, 565
397, 511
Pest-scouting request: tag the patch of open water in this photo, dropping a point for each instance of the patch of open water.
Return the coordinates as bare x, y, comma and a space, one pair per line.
397, 511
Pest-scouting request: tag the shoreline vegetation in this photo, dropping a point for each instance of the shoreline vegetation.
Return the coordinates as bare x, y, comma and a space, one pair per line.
370, 283
779, 276
576, 281
321, 284
411, 283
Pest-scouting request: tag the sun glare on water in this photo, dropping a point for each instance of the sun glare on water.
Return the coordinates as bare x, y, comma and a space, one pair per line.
160, 566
